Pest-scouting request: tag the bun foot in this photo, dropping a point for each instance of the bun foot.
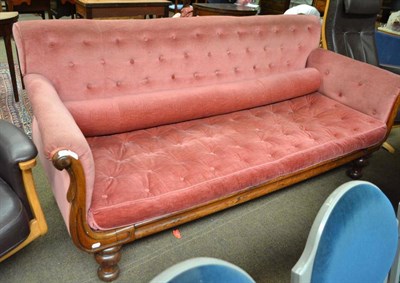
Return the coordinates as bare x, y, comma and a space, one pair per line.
355, 172
108, 260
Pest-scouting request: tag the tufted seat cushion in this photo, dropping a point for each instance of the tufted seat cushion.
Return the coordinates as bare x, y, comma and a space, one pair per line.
145, 174
14, 221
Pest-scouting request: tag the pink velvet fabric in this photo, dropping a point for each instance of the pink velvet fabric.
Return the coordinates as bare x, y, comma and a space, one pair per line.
155, 59
132, 112
58, 180
55, 129
107, 77
363, 87
149, 173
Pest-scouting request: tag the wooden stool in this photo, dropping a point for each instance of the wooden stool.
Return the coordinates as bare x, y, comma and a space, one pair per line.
7, 19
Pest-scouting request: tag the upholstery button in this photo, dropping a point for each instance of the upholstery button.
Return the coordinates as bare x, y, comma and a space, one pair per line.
209, 54
102, 61
340, 94
236, 69
186, 55
173, 76
118, 83
228, 52
327, 72
217, 72
161, 58
71, 64
270, 65
89, 86
196, 75
254, 67
132, 61
360, 83
173, 36
374, 112
247, 50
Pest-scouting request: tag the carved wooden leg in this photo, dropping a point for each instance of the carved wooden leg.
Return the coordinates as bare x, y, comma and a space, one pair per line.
108, 260
355, 172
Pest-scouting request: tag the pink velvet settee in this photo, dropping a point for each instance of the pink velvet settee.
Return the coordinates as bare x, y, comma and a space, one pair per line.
143, 125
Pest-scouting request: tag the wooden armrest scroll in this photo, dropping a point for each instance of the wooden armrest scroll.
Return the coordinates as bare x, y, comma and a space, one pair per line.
83, 236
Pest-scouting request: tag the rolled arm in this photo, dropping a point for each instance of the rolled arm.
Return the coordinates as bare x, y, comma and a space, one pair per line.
57, 128
66, 148
361, 86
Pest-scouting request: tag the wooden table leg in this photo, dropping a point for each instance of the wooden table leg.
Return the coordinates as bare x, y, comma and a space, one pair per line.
7, 42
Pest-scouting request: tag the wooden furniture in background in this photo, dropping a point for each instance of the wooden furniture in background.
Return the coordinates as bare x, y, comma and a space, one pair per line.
62, 8
30, 7
273, 7
91, 9
7, 19
222, 9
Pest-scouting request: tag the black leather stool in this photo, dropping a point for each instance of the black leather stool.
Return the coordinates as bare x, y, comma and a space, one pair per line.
7, 19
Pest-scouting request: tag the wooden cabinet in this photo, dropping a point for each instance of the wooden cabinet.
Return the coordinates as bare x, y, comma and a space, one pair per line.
273, 7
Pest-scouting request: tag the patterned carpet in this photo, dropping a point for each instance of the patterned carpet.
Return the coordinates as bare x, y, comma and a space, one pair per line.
18, 113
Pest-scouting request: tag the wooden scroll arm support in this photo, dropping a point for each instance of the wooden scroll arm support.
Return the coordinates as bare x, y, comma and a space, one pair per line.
83, 236
105, 245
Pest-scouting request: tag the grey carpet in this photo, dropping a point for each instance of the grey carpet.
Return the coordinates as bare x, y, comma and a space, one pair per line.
265, 236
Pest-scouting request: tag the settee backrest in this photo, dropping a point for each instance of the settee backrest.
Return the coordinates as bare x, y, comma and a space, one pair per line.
94, 60
86, 59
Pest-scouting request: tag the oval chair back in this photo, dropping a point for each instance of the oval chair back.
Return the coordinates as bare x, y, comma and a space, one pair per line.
203, 269
353, 238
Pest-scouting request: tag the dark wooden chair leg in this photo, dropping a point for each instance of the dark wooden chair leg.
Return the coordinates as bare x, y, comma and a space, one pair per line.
355, 172
7, 42
108, 260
